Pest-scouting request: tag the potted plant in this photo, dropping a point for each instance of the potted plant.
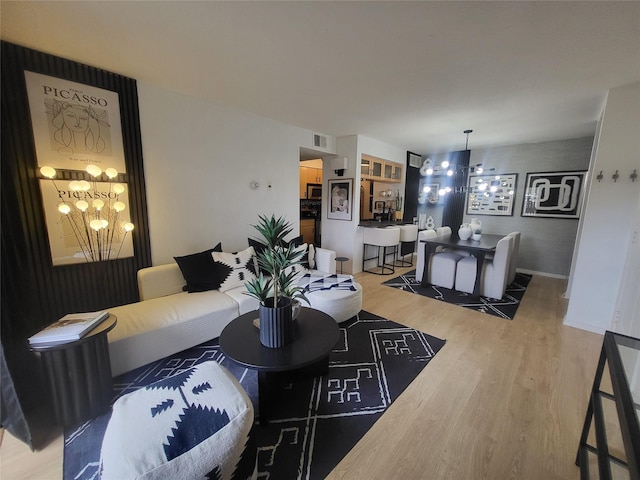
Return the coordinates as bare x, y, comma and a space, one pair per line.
276, 284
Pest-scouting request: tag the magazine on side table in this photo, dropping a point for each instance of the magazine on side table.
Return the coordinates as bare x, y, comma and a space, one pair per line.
72, 326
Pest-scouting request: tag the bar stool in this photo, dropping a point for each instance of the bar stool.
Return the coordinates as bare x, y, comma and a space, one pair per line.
386, 238
408, 238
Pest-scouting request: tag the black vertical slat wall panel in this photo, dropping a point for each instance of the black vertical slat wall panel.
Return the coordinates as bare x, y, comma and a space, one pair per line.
35, 293
412, 183
454, 205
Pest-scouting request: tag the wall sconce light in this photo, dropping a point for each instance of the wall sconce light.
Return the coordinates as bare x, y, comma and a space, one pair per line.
93, 215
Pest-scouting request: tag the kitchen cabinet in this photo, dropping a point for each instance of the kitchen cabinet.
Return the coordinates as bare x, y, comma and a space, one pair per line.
308, 230
397, 172
309, 175
378, 169
365, 167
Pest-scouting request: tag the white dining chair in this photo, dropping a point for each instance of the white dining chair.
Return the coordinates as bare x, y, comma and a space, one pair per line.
513, 260
442, 265
494, 274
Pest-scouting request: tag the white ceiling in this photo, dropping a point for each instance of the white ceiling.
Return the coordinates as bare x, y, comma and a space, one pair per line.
411, 74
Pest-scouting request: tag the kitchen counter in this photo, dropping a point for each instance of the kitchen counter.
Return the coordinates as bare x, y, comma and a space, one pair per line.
380, 224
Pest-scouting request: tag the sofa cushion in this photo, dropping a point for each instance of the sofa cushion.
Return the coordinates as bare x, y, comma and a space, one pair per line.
150, 330
246, 303
200, 271
235, 268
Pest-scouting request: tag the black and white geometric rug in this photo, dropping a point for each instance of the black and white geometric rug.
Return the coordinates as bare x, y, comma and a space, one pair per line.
505, 307
317, 421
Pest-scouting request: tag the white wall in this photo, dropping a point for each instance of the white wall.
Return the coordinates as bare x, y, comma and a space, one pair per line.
546, 245
199, 161
607, 226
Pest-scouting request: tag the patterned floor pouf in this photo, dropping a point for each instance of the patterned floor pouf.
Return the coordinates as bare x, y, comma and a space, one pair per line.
193, 425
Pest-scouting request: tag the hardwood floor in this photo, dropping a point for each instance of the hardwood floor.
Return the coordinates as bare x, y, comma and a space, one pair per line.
501, 400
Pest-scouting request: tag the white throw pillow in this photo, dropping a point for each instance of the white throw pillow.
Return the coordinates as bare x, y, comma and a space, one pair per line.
299, 269
240, 268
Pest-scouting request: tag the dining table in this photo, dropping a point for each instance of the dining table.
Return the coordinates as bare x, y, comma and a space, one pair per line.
477, 248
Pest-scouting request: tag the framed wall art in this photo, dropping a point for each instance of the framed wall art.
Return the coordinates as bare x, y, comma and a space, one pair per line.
340, 199
553, 194
74, 125
491, 194
72, 237
428, 193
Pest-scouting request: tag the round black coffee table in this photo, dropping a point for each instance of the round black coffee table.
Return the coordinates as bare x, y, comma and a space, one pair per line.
315, 335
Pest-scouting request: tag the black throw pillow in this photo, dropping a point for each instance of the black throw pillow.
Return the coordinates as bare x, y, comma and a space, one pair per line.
200, 271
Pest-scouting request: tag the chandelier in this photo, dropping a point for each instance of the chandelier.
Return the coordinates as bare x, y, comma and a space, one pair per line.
93, 213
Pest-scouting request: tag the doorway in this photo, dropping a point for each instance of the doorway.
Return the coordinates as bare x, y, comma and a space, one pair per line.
311, 195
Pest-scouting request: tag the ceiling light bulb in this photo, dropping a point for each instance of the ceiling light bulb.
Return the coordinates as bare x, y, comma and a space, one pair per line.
64, 208
444, 164
494, 188
442, 191
97, 204
482, 187
48, 172
119, 206
479, 170
447, 189
118, 188
74, 186
128, 227
511, 192
111, 172
449, 172
84, 185
82, 205
497, 177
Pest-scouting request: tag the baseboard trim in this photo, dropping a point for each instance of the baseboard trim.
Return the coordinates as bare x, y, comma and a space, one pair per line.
584, 326
542, 274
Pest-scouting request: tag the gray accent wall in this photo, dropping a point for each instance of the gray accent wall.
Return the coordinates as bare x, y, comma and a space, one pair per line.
546, 244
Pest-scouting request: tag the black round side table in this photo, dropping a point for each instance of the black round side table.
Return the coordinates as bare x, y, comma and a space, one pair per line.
79, 374
341, 260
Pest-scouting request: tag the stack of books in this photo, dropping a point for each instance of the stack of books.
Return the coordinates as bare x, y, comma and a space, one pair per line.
69, 328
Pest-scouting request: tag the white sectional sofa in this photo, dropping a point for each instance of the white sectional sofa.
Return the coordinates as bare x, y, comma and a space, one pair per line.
168, 320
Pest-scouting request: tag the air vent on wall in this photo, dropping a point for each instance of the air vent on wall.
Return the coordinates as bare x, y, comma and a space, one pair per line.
415, 160
319, 141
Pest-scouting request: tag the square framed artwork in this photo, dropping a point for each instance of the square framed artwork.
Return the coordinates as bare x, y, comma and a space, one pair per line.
74, 124
553, 194
340, 199
491, 194
71, 240
428, 193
